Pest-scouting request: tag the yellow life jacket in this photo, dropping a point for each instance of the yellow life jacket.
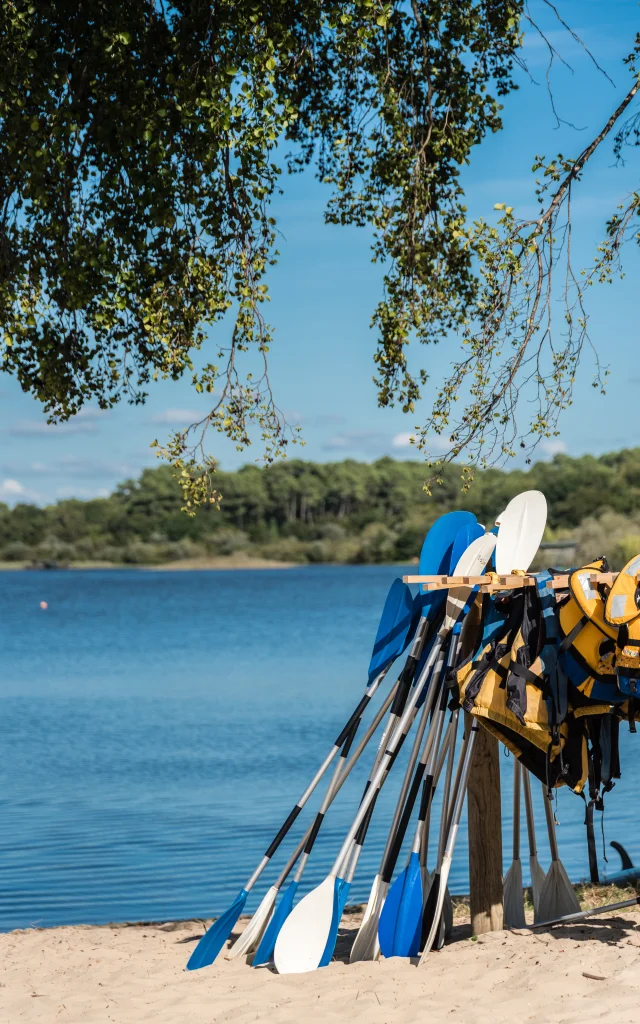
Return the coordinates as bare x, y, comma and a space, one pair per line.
622, 612
588, 641
522, 724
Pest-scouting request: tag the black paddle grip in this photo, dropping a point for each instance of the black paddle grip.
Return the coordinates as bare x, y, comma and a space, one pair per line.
344, 753
366, 821
430, 909
404, 685
425, 799
398, 839
313, 833
355, 717
282, 831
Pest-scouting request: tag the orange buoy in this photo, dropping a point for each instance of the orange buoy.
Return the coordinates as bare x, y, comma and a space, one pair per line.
44, 605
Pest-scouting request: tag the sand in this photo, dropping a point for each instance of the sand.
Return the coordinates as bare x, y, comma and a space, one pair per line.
128, 974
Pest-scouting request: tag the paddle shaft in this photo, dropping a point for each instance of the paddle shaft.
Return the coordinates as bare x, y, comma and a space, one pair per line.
456, 603
582, 914
445, 866
412, 778
516, 808
343, 778
354, 718
551, 828
390, 750
350, 860
353, 855
528, 806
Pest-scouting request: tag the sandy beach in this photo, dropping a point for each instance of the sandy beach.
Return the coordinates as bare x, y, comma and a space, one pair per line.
127, 974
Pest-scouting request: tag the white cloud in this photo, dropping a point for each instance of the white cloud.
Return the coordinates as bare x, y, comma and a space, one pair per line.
402, 440
178, 417
11, 487
12, 491
553, 446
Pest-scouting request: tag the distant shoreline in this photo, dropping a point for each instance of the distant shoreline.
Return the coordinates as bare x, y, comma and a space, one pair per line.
186, 565
179, 565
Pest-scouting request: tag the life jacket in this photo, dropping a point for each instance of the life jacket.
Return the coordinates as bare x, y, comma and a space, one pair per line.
505, 685
622, 612
587, 641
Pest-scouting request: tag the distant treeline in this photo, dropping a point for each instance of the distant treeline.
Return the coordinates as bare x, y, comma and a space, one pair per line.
339, 512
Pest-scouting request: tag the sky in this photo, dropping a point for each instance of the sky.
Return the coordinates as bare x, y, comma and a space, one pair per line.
325, 288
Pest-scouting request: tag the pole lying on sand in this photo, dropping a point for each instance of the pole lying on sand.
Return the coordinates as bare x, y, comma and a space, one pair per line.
582, 915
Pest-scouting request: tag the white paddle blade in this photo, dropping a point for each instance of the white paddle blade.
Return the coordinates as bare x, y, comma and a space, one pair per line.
521, 528
514, 897
248, 941
366, 945
557, 897
472, 562
304, 934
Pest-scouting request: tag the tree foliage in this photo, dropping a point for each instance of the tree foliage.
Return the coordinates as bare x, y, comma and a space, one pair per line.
141, 146
340, 512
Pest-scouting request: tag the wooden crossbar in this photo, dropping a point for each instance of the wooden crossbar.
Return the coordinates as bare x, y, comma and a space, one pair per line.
512, 581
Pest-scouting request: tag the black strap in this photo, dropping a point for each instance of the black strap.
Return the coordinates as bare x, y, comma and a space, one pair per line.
591, 843
565, 644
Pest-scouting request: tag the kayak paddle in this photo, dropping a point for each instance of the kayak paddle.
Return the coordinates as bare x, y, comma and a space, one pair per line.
302, 941
519, 534
395, 622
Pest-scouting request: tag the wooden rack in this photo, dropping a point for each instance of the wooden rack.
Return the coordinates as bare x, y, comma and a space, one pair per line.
490, 583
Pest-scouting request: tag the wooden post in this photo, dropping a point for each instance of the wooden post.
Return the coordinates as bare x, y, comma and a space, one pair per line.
485, 836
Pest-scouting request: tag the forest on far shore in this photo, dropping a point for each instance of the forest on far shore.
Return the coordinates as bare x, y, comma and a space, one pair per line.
297, 511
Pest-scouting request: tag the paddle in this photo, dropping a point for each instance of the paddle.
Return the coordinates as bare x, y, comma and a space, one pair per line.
557, 897
519, 535
395, 622
350, 861
437, 557
264, 950
397, 925
401, 916
366, 945
303, 939
536, 872
512, 885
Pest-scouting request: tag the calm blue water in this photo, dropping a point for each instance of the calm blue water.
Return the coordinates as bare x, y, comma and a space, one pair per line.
157, 727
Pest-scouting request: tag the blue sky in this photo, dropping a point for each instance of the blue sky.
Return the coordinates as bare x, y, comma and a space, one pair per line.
325, 288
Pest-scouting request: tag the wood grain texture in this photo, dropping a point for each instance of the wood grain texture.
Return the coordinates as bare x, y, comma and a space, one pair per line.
485, 836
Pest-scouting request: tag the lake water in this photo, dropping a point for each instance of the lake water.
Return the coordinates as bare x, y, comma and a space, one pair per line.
158, 726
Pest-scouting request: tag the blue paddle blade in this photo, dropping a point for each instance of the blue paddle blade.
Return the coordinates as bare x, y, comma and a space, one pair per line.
395, 623
264, 952
389, 916
408, 926
340, 896
214, 939
435, 557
